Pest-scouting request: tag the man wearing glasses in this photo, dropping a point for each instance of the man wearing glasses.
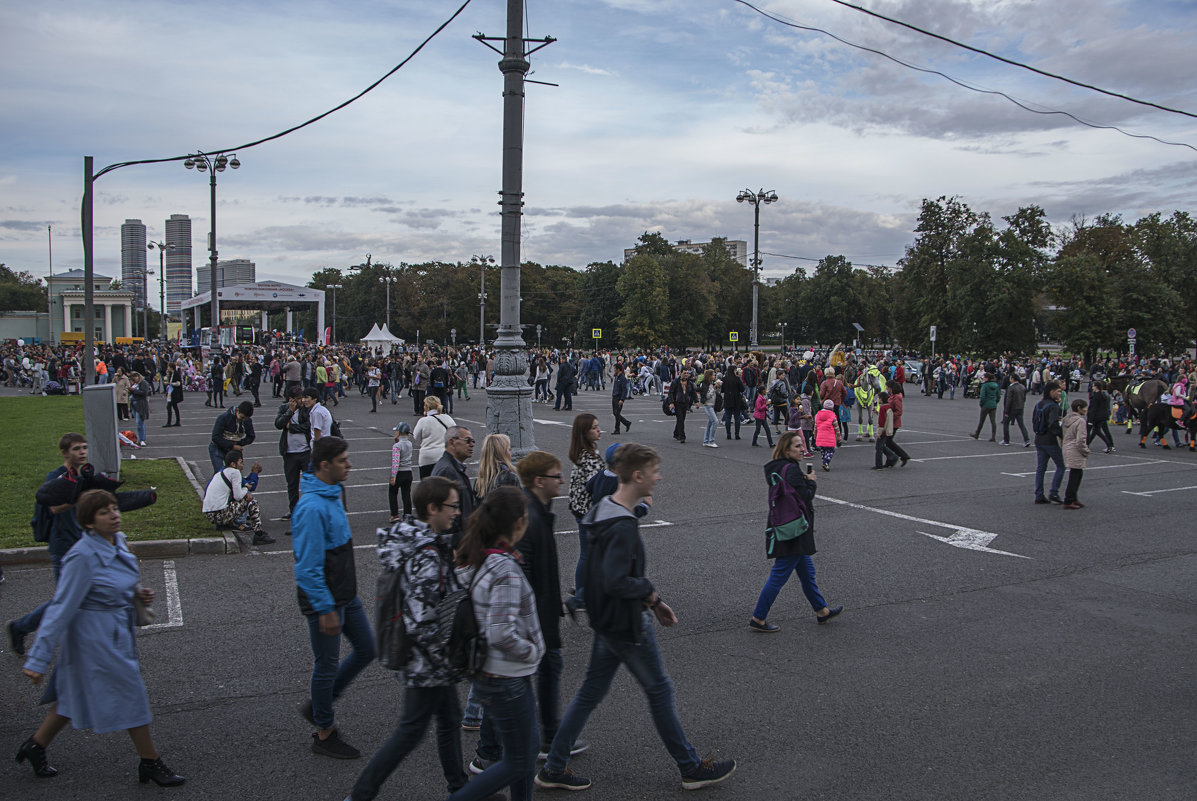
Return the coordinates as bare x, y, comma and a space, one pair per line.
459, 446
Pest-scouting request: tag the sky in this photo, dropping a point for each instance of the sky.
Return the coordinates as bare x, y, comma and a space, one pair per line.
663, 112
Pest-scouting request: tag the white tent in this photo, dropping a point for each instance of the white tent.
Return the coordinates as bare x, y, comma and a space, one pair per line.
378, 338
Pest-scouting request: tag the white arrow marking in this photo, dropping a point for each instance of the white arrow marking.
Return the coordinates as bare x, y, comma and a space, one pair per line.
963, 537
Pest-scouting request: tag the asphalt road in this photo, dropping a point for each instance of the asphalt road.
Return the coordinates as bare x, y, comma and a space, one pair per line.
991, 648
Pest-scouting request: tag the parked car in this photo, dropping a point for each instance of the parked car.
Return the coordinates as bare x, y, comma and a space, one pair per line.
914, 374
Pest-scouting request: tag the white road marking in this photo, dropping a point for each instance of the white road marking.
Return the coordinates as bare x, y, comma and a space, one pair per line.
174, 606
1149, 493
552, 423
1018, 452
1090, 469
963, 537
657, 524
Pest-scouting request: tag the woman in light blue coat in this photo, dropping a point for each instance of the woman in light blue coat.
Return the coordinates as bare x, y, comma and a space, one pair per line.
97, 682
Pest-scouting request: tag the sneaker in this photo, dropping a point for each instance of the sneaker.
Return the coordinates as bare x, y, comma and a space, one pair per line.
262, 538
470, 725
707, 773
333, 746
1027, 444
1004, 442
478, 764
835, 610
1055, 499
579, 747
564, 780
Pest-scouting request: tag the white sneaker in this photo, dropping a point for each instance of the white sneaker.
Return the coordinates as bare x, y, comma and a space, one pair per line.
713, 445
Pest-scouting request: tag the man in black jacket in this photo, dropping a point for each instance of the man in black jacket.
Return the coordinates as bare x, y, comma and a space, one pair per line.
621, 603
566, 373
232, 430
459, 446
295, 433
1047, 442
682, 396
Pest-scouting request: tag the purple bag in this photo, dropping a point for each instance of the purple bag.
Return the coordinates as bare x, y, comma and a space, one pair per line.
787, 512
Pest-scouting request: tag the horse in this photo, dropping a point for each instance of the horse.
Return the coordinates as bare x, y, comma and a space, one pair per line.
1162, 417
1140, 396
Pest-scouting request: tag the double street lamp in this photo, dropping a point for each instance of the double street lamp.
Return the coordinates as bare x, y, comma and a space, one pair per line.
756, 199
482, 261
162, 248
212, 164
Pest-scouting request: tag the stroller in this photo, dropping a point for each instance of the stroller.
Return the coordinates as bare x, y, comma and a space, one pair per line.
973, 390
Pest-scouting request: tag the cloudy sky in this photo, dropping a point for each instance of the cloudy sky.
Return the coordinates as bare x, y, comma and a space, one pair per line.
665, 109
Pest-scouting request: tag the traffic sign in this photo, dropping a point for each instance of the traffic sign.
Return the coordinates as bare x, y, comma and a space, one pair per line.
733, 336
1131, 334
932, 333
596, 333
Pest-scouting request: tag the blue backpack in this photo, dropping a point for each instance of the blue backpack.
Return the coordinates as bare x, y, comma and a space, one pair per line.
787, 512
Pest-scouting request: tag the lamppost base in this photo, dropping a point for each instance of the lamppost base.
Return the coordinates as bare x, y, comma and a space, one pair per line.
509, 402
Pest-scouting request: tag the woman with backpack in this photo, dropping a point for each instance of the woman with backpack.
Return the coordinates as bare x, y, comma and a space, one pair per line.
789, 543
505, 611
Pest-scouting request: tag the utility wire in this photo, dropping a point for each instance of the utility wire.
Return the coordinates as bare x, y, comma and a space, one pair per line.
295, 128
1013, 63
962, 84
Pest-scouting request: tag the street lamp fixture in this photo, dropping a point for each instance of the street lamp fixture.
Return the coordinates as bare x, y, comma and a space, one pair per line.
482, 261
756, 199
212, 164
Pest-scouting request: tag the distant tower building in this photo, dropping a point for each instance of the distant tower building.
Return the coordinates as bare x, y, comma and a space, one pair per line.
178, 261
736, 248
133, 253
229, 272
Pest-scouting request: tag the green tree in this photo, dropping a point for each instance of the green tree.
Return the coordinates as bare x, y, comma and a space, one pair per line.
731, 283
832, 301
691, 299
642, 320
600, 300
21, 291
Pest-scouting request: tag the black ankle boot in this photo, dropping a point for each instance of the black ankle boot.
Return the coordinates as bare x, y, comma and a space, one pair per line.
36, 755
157, 770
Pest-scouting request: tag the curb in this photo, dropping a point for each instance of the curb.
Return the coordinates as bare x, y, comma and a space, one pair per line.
145, 549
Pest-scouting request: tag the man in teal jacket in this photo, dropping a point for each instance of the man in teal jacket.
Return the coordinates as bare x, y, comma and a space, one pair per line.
326, 583
990, 394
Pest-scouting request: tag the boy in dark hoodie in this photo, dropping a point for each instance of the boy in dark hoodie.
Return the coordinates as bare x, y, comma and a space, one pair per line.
621, 603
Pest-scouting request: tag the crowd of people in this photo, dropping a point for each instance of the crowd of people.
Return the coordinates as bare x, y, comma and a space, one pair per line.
490, 538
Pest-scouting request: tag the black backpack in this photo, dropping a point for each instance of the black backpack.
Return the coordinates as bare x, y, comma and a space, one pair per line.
1039, 419
777, 393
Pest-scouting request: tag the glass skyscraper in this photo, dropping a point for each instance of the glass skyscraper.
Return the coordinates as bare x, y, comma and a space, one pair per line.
178, 261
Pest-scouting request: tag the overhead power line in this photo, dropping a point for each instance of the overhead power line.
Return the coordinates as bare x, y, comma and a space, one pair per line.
960, 83
1012, 62
313, 120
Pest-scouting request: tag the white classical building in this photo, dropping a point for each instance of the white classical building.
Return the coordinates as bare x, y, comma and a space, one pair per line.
113, 309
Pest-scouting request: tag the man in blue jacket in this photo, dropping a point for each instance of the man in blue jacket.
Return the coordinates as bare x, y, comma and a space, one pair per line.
621, 604
326, 584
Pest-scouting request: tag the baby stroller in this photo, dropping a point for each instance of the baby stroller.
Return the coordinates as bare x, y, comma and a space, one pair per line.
973, 390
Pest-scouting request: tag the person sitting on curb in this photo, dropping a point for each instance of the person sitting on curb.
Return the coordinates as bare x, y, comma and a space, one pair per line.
229, 496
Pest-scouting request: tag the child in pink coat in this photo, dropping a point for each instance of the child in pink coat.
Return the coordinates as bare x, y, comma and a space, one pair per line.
827, 432
760, 413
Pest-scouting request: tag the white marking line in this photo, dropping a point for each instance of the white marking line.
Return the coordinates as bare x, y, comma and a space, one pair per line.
968, 538
1018, 452
1090, 469
174, 607
1149, 493
556, 423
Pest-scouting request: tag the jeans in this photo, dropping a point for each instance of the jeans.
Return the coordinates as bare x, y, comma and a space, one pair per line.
473, 709
1075, 474
712, 425
402, 484
643, 660
883, 452
217, 458
1100, 429
293, 466
728, 418
420, 704
140, 421
1016, 417
29, 623
762, 425
617, 411
542, 388
991, 414
1056, 454
511, 708
548, 702
801, 564
564, 393
583, 554
329, 679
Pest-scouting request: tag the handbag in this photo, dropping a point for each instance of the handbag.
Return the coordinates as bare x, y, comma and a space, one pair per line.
144, 613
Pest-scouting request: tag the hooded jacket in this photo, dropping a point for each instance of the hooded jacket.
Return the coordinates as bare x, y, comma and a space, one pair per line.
325, 574
427, 561
615, 585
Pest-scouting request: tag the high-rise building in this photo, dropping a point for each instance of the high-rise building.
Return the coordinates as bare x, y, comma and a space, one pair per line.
736, 248
229, 272
178, 261
133, 260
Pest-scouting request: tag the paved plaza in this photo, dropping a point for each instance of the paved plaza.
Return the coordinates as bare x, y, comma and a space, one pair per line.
990, 648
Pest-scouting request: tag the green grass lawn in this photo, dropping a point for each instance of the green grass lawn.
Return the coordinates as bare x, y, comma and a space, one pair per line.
30, 450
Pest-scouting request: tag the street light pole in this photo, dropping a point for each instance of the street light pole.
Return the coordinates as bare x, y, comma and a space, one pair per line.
203, 163
49, 296
756, 199
334, 288
482, 261
162, 248
509, 398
